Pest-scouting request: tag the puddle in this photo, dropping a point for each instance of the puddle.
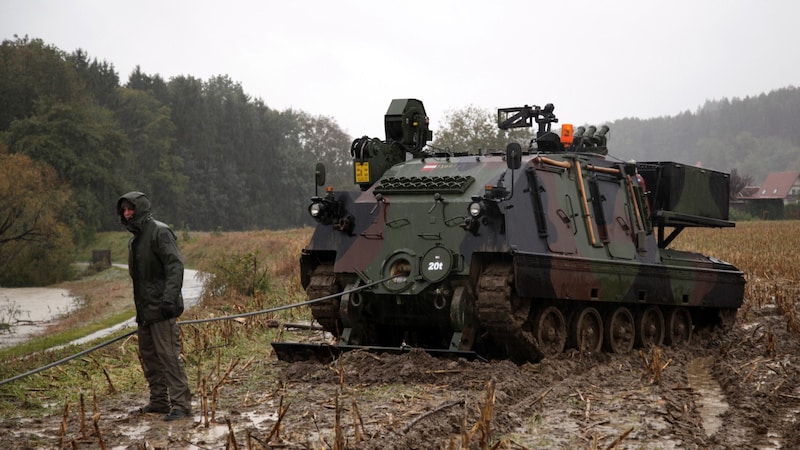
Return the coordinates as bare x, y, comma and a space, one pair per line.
217, 432
199, 436
134, 433
257, 418
214, 433
25, 312
711, 403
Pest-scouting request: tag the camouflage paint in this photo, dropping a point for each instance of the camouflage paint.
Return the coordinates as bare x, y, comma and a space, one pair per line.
575, 228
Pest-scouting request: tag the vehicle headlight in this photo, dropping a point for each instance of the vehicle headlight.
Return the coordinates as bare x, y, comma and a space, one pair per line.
315, 209
475, 209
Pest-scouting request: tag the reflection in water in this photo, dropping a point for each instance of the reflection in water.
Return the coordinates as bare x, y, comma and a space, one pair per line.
711, 402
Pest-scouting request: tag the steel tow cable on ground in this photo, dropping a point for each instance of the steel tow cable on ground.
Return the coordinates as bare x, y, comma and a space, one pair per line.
191, 322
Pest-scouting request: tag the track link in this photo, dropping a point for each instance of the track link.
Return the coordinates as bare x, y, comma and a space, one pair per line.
496, 314
324, 283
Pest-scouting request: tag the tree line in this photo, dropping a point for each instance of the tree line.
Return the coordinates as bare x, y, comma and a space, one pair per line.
73, 138
752, 135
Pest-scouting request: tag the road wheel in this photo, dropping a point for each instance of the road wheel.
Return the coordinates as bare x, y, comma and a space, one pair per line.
550, 330
679, 326
650, 327
619, 330
586, 330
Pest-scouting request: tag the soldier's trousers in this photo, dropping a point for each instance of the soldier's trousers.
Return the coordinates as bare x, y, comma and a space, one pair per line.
162, 363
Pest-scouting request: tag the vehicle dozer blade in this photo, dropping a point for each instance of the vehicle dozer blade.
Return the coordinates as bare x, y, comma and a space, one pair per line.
326, 353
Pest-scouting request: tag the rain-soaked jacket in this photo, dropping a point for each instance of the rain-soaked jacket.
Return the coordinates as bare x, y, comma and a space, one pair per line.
154, 262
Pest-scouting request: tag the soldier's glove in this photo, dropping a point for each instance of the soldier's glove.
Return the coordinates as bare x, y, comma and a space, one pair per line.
168, 310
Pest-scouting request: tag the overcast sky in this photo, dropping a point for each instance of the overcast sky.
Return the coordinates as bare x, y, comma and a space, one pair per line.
596, 60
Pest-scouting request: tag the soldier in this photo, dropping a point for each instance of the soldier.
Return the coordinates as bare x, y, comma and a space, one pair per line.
156, 269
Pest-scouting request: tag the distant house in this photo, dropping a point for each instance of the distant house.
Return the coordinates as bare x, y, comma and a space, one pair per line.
782, 185
778, 195
748, 192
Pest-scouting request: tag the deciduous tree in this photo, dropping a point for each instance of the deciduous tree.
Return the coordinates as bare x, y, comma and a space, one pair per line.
472, 129
36, 222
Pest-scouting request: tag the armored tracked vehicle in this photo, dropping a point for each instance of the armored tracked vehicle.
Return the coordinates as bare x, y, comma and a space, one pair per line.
518, 253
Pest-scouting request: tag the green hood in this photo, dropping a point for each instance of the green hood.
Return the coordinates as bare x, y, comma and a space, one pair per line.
142, 213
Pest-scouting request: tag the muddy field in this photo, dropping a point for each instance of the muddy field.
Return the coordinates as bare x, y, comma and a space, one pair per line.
732, 389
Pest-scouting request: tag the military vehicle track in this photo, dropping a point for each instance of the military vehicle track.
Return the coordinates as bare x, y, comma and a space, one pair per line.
324, 283
499, 317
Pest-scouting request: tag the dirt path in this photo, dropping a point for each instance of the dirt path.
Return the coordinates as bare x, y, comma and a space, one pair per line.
737, 389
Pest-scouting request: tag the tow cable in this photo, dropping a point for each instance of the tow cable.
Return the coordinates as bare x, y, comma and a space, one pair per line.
192, 322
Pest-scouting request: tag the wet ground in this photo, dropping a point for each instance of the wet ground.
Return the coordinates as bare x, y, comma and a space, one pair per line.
734, 389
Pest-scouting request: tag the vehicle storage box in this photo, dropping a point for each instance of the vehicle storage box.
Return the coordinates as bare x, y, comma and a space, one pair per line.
686, 190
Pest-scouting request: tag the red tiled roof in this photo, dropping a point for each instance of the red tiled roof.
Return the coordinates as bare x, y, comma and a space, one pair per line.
749, 192
777, 184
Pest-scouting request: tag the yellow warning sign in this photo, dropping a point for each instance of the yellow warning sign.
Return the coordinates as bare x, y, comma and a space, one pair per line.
362, 172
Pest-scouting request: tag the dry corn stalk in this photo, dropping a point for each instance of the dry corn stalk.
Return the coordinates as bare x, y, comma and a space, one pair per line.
96, 422
653, 365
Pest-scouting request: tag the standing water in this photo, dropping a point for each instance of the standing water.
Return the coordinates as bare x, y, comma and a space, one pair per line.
25, 312
710, 400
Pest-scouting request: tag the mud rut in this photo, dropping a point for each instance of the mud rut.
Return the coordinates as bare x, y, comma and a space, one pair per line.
416, 401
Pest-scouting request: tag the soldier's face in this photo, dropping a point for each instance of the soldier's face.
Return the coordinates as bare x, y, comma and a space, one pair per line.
127, 212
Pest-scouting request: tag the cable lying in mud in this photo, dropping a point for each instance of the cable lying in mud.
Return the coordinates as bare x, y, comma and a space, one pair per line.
191, 322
